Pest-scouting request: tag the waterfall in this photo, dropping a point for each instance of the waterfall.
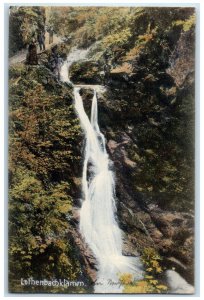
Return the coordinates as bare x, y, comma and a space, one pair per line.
98, 224
74, 55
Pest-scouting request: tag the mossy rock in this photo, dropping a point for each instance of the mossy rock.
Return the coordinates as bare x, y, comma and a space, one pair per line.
86, 72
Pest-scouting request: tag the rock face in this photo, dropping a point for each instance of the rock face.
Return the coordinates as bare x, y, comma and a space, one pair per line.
147, 117
86, 71
86, 257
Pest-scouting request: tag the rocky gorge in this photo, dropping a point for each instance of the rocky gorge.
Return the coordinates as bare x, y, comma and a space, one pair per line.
146, 113
148, 122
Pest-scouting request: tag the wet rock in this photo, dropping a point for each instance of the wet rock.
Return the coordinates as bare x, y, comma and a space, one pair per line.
129, 247
86, 94
86, 72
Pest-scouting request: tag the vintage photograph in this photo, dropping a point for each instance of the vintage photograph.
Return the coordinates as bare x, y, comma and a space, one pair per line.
101, 150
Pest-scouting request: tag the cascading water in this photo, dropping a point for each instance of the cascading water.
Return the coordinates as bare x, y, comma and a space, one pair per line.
97, 216
98, 224
74, 55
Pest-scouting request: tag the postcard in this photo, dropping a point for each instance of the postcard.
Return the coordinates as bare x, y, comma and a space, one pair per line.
101, 150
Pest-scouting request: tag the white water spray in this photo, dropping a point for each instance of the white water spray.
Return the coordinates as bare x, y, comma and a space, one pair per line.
177, 284
97, 216
98, 223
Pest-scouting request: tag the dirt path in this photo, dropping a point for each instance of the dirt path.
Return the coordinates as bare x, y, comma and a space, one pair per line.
21, 55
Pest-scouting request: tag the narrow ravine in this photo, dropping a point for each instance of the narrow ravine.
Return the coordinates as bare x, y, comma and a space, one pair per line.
102, 150
98, 223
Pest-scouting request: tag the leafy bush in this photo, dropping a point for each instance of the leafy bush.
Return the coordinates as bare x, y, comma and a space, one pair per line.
150, 284
151, 260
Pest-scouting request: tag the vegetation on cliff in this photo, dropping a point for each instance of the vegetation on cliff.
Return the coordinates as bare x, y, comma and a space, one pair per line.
147, 115
149, 51
43, 133
151, 56
23, 22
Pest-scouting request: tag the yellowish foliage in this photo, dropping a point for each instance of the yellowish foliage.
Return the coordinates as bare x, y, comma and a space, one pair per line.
132, 53
186, 24
126, 278
144, 38
162, 287
150, 283
126, 68
148, 277
118, 38
140, 287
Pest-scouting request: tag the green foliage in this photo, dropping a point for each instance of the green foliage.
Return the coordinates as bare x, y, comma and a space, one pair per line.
164, 152
43, 131
44, 134
186, 24
151, 260
146, 286
24, 22
121, 28
88, 24
38, 225
150, 284
117, 39
42, 128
